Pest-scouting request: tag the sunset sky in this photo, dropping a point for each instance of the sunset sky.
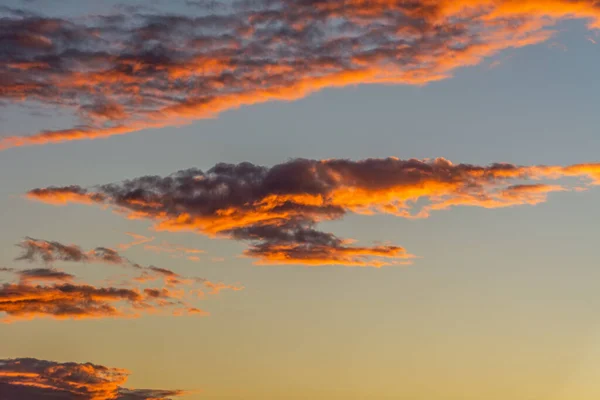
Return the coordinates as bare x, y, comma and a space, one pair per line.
299, 199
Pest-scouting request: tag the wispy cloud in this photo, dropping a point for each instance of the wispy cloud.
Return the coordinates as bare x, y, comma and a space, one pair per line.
49, 292
277, 209
175, 251
142, 69
30, 378
137, 240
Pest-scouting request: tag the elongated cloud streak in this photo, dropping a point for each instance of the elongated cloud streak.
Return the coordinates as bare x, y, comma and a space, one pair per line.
33, 379
137, 240
50, 251
44, 274
126, 73
26, 301
277, 209
177, 250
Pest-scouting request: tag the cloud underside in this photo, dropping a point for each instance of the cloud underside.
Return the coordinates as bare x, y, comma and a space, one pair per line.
33, 379
276, 210
128, 72
51, 293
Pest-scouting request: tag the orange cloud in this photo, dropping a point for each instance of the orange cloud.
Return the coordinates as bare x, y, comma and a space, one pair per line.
118, 81
217, 287
30, 378
277, 209
137, 240
65, 195
592, 171
175, 251
61, 301
60, 297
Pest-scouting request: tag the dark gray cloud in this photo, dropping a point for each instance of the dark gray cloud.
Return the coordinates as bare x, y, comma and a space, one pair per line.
48, 251
45, 274
277, 209
33, 379
37, 250
140, 68
66, 300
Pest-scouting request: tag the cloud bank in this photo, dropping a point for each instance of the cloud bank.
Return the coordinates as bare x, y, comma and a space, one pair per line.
277, 209
33, 379
143, 69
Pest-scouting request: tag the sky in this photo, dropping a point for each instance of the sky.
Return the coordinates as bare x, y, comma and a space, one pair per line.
299, 200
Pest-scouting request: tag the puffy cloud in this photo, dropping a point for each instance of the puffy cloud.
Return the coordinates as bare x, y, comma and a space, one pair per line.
277, 209
30, 378
139, 70
60, 296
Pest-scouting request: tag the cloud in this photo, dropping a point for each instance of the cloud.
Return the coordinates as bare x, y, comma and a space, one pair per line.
26, 301
50, 251
216, 288
65, 195
51, 293
35, 250
166, 247
137, 240
39, 275
46, 251
44, 274
30, 378
277, 209
175, 251
143, 69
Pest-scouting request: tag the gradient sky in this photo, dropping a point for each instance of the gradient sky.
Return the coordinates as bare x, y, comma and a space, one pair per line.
501, 304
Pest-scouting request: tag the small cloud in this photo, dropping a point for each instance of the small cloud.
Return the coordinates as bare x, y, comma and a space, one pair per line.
138, 240
30, 378
51, 293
